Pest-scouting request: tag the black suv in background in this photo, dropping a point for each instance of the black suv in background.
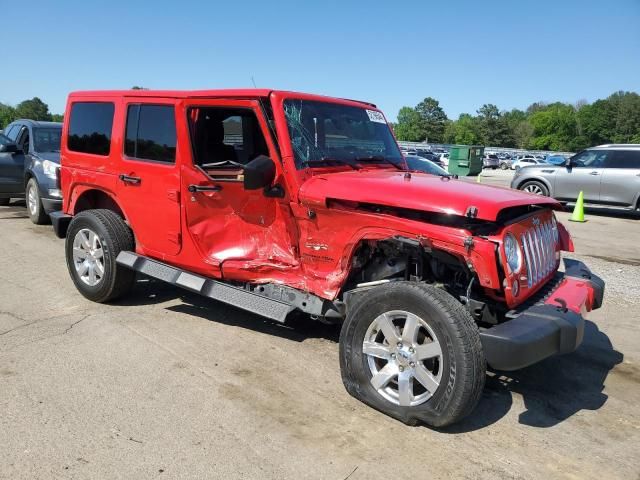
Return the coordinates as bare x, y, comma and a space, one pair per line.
29, 160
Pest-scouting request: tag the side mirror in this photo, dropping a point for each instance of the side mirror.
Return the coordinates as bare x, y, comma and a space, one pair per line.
567, 163
9, 148
259, 173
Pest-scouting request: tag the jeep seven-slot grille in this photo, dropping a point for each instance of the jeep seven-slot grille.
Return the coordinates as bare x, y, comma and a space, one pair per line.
539, 246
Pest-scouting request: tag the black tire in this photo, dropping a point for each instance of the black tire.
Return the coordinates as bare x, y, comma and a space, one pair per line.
115, 236
37, 214
504, 166
544, 191
463, 362
4, 202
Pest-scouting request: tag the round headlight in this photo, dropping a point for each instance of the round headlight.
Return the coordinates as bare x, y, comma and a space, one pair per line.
513, 253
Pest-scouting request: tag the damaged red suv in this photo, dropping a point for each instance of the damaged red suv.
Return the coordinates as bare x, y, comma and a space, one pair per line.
278, 202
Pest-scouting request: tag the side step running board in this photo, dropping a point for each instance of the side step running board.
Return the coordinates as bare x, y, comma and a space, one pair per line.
238, 297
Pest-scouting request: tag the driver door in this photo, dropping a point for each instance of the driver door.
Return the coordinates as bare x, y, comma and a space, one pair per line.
11, 168
584, 175
245, 235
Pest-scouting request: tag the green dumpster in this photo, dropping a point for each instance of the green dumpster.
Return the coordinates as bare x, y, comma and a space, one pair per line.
465, 160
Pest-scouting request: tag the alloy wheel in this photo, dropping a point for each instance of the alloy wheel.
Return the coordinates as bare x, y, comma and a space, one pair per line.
88, 257
404, 358
533, 188
32, 201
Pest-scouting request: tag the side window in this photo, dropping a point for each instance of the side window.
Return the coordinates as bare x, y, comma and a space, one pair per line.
13, 132
624, 159
90, 127
151, 133
590, 159
221, 136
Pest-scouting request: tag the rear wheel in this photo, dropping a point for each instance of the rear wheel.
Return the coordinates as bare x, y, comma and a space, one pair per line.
536, 188
94, 240
4, 202
414, 353
504, 166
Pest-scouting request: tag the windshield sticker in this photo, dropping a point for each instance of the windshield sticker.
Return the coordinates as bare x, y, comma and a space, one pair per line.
376, 116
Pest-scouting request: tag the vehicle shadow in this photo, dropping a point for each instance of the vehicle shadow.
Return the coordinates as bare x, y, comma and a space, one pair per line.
602, 211
16, 209
298, 327
552, 390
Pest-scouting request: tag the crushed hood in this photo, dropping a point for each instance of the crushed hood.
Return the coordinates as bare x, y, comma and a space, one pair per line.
421, 192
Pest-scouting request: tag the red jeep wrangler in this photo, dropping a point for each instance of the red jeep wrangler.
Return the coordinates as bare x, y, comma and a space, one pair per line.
276, 201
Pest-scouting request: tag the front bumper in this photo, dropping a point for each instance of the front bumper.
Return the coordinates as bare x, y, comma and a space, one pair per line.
552, 325
60, 223
51, 204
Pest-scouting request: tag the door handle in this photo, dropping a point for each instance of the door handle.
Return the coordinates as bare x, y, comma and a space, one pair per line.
204, 188
594, 173
130, 179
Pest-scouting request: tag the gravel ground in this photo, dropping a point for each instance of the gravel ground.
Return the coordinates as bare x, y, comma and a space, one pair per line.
622, 280
165, 384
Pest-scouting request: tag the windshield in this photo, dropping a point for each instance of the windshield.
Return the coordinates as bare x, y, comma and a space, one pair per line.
321, 131
46, 139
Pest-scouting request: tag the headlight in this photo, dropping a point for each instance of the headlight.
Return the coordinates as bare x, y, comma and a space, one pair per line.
513, 253
50, 168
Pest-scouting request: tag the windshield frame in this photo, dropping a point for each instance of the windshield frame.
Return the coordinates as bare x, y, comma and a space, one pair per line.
391, 148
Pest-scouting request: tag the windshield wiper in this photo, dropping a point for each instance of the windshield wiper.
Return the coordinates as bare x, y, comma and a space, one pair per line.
379, 158
342, 161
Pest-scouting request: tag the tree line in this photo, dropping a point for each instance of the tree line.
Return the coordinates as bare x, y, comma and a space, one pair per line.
542, 126
34, 109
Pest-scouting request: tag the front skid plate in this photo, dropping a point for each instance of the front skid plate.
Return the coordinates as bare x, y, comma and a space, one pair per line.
238, 297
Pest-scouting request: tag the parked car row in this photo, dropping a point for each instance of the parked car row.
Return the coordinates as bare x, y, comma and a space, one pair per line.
29, 160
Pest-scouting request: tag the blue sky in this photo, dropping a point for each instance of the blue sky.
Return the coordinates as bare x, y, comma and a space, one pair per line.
463, 53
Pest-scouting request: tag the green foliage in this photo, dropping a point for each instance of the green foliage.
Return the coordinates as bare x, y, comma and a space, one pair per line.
410, 126
7, 115
434, 118
34, 109
464, 131
556, 126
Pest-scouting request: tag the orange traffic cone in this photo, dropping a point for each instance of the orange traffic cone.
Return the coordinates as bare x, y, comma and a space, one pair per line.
578, 210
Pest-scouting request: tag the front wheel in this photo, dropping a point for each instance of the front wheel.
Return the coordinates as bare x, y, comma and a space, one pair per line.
34, 204
536, 188
413, 352
94, 240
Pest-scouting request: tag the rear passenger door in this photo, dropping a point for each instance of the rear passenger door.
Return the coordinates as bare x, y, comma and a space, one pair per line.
621, 178
148, 182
